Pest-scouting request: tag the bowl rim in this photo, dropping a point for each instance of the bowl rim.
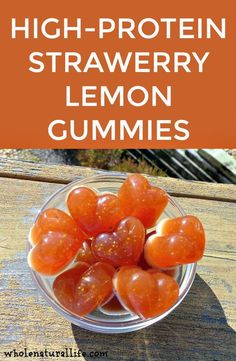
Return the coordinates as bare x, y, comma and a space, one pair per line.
87, 323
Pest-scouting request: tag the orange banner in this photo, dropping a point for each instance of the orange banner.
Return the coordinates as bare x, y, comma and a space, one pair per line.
127, 74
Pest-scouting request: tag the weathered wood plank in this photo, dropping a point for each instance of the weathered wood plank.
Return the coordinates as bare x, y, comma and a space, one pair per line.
202, 328
65, 174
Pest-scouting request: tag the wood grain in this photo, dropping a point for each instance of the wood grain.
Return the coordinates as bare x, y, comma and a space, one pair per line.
201, 329
65, 174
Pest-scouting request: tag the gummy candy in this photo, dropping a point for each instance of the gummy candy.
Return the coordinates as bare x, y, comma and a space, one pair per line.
120, 281
189, 226
54, 252
139, 199
168, 290
144, 293
64, 285
94, 213
122, 247
53, 219
94, 288
178, 241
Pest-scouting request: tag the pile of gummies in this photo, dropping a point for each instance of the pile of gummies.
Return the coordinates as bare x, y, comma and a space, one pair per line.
102, 250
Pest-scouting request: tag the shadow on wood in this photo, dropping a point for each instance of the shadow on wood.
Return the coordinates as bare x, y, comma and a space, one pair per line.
196, 331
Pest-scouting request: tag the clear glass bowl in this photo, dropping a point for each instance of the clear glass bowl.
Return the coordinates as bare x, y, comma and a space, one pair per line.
117, 322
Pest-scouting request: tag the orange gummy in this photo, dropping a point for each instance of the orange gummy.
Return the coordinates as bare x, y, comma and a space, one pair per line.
120, 281
168, 290
64, 285
144, 293
122, 247
55, 220
54, 252
169, 251
189, 226
94, 213
94, 288
178, 241
142, 200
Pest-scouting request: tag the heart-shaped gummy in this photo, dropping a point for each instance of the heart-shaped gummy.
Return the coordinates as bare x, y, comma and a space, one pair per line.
55, 220
188, 226
142, 200
54, 252
144, 293
123, 246
83, 288
64, 285
94, 213
168, 290
177, 241
94, 288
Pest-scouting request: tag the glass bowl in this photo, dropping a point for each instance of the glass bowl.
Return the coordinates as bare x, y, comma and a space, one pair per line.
102, 321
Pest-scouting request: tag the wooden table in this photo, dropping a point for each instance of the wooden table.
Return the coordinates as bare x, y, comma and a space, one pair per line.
202, 328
